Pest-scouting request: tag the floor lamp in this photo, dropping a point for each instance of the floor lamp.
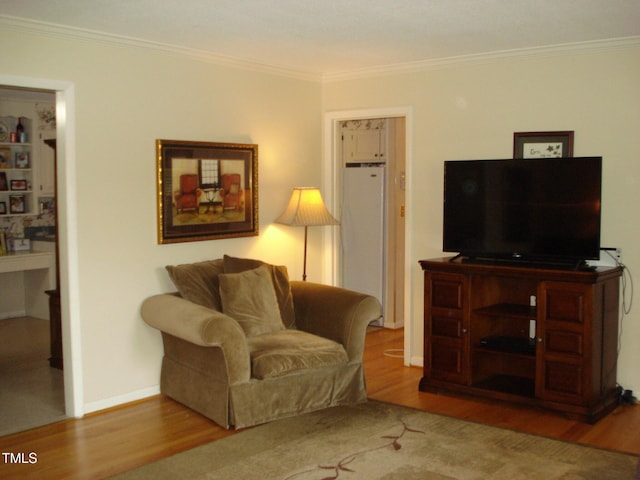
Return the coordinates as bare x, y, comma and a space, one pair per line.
306, 209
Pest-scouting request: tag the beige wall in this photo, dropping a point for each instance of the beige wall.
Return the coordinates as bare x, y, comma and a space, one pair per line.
125, 99
468, 112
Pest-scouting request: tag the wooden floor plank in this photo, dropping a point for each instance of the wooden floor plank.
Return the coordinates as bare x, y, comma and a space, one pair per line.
122, 438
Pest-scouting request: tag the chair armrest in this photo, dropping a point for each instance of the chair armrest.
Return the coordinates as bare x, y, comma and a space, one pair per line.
336, 313
201, 326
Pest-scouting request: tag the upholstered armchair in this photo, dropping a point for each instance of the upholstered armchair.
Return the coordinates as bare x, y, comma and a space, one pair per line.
231, 192
243, 346
188, 197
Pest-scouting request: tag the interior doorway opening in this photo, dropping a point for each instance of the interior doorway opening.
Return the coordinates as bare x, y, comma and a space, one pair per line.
397, 282
371, 162
31, 366
67, 241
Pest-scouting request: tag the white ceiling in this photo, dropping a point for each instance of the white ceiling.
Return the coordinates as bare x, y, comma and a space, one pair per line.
325, 37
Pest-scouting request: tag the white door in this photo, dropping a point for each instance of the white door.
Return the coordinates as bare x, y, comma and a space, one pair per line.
46, 168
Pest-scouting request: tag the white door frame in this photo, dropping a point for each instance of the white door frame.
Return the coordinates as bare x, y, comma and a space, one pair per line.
67, 234
330, 180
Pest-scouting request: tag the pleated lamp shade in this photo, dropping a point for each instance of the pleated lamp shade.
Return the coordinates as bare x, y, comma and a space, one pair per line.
306, 208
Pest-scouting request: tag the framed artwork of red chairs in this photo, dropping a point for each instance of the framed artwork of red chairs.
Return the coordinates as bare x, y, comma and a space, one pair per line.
206, 190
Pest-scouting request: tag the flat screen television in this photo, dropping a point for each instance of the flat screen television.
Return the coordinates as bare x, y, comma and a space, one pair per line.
536, 210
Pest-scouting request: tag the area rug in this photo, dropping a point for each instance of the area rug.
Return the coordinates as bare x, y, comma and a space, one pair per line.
387, 442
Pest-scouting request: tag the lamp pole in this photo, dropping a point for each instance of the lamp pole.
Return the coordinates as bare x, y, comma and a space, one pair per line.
304, 265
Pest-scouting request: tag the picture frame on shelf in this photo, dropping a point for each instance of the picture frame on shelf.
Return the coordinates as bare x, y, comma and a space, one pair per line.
21, 160
3, 208
5, 157
4, 132
543, 144
17, 204
206, 190
18, 185
4, 184
21, 245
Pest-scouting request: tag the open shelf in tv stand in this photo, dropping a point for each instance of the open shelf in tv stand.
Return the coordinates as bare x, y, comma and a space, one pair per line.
569, 366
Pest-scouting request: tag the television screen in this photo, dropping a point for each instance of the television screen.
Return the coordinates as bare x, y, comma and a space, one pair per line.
532, 209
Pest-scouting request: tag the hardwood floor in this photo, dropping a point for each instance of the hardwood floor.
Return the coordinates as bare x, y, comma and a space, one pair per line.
122, 438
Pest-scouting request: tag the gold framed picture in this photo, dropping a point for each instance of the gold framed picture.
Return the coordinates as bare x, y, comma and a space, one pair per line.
206, 190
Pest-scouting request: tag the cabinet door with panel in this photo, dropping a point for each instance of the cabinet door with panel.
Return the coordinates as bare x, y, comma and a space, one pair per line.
446, 316
565, 316
366, 144
46, 164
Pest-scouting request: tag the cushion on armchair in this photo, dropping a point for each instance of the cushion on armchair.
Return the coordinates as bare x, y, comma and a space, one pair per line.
198, 282
289, 351
280, 279
250, 299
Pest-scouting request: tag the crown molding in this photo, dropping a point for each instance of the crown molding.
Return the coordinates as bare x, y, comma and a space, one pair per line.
577, 48
79, 34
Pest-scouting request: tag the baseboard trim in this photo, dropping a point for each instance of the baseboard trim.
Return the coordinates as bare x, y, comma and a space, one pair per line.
393, 325
417, 361
18, 313
121, 399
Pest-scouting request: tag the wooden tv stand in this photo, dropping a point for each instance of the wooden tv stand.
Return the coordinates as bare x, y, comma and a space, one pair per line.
477, 325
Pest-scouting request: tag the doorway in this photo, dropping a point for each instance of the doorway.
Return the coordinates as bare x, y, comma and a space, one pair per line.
30, 366
397, 284
64, 92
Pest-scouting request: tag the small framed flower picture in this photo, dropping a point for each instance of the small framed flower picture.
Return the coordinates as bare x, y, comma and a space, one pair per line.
543, 144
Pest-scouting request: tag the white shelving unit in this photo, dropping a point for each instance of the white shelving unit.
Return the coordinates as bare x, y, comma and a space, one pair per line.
16, 168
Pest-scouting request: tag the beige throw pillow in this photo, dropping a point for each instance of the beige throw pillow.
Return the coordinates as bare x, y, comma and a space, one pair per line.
198, 282
250, 299
280, 279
